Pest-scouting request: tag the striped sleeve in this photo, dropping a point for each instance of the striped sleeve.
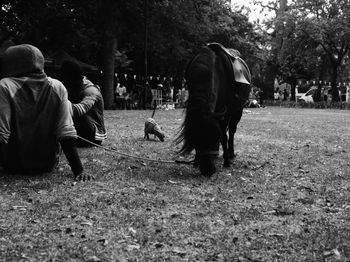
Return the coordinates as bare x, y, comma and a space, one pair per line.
89, 99
5, 113
100, 136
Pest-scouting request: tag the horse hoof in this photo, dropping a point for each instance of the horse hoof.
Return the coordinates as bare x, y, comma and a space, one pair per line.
231, 156
208, 172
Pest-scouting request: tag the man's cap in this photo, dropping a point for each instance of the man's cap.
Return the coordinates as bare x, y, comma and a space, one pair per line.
20, 60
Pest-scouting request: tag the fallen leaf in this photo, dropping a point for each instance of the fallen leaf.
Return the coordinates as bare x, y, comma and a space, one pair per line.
275, 235
328, 253
270, 212
132, 247
103, 241
284, 211
94, 259
336, 254
133, 231
20, 208
86, 223
179, 252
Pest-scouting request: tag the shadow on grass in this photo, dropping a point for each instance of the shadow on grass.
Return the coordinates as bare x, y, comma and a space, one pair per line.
21, 183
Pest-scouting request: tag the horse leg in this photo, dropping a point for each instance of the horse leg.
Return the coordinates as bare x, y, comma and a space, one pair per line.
231, 133
223, 126
196, 160
232, 127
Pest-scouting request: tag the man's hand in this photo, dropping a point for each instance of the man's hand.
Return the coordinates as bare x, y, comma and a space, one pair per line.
84, 177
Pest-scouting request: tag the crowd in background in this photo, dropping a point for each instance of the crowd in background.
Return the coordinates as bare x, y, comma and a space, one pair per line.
130, 91
281, 94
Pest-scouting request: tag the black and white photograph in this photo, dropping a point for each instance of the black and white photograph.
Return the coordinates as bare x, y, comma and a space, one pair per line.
174, 130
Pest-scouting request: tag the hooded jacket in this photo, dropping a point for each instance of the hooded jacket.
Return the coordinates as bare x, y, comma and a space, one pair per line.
34, 112
91, 104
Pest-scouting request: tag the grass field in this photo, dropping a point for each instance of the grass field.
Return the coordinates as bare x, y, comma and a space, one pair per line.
286, 198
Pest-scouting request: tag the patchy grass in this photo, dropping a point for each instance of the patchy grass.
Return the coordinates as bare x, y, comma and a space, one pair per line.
286, 198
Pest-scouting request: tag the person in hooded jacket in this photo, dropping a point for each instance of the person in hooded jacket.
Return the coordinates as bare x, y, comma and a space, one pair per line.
35, 119
86, 104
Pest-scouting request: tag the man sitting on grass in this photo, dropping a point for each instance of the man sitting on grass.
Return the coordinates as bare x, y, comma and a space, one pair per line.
34, 116
87, 104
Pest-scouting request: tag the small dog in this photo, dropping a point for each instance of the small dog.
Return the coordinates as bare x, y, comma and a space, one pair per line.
151, 127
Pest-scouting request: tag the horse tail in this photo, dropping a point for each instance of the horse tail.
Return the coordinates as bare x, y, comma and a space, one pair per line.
187, 145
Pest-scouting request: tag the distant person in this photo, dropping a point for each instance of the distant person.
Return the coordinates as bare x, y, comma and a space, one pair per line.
87, 104
34, 117
253, 104
261, 97
121, 90
122, 97
184, 96
285, 94
178, 96
325, 94
276, 94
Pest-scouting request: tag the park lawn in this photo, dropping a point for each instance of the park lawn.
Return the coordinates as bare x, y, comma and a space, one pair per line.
285, 198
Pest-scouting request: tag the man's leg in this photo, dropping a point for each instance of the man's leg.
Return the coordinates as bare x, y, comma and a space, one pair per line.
85, 129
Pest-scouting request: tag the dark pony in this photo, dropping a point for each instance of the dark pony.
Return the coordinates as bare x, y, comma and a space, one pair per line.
218, 82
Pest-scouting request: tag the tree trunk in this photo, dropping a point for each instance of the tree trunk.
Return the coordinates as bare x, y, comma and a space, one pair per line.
283, 7
109, 45
109, 42
317, 95
269, 79
272, 65
293, 84
145, 51
335, 91
323, 66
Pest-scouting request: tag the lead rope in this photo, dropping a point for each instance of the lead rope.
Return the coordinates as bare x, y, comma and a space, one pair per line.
136, 157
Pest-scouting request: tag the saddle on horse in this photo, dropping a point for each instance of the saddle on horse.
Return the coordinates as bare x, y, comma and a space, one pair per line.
239, 68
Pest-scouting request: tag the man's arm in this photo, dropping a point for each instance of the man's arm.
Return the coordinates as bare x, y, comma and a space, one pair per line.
1, 153
90, 97
69, 146
66, 134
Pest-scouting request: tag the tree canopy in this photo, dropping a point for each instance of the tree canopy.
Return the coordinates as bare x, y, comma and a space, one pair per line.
305, 40
310, 40
97, 30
